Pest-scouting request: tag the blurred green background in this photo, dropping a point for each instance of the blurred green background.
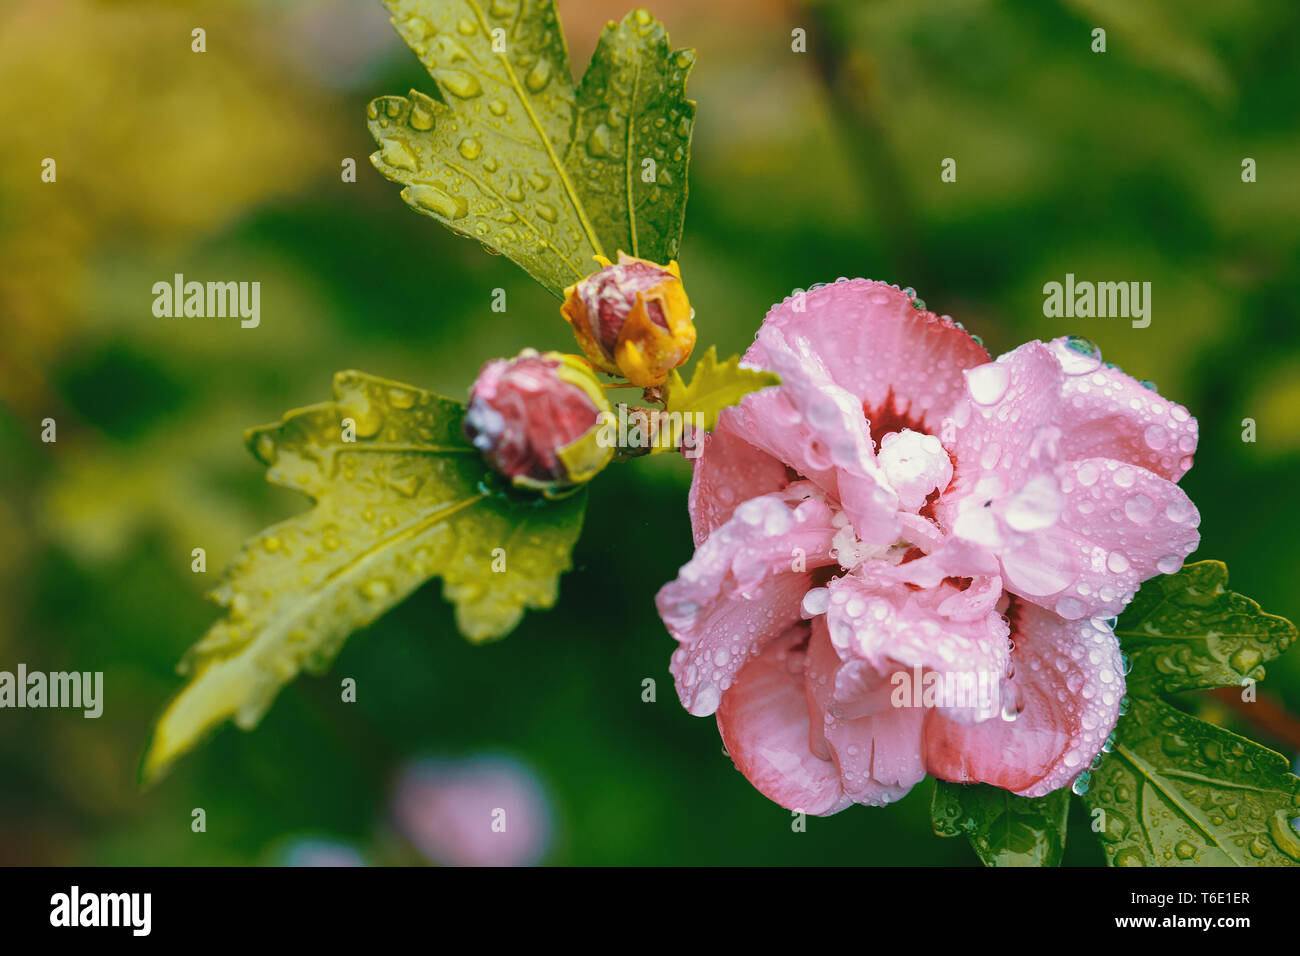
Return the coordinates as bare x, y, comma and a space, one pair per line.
807, 166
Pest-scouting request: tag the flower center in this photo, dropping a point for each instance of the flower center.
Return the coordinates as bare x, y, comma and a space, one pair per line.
916, 465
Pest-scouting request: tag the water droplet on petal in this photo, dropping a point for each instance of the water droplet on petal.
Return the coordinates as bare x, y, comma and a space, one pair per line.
1077, 355
1035, 506
1071, 608
1169, 564
988, 383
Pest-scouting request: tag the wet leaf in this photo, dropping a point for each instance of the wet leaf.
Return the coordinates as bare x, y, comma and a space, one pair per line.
633, 136
1187, 631
1003, 829
511, 154
714, 386
405, 501
1177, 791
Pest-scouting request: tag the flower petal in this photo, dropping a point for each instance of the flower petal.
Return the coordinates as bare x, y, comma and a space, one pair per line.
728, 471
1112, 415
903, 364
1051, 402
1073, 533
818, 429
1070, 681
764, 724
878, 748
897, 627
741, 590
1120, 526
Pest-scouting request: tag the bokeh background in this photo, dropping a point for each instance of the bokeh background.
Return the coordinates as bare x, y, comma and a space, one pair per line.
806, 166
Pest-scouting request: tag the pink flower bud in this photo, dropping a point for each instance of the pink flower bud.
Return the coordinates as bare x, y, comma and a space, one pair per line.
536, 419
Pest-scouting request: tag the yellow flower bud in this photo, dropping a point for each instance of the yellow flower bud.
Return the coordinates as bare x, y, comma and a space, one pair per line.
632, 318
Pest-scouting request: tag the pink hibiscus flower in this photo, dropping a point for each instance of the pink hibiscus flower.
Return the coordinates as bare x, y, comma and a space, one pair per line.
908, 556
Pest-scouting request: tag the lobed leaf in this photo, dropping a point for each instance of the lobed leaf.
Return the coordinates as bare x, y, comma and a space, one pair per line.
632, 108
1187, 631
714, 386
511, 154
1177, 791
405, 501
1004, 829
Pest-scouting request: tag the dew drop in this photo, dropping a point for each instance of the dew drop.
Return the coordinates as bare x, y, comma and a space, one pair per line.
436, 201
1077, 355
1140, 509
396, 154
1169, 564
598, 141
988, 383
816, 602
538, 76
1156, 436
458, 83
421, 118
1071, 608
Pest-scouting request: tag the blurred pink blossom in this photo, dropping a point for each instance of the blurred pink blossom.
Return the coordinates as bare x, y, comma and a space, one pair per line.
481, 811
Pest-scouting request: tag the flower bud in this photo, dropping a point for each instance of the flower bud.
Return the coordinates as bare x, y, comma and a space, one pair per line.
536, 419
632, 318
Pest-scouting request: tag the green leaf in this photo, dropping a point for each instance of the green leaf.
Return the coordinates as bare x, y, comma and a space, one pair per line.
403, 502
1003, 829
1187, 631
713, 387
511, 154
1176, 791
638, 207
